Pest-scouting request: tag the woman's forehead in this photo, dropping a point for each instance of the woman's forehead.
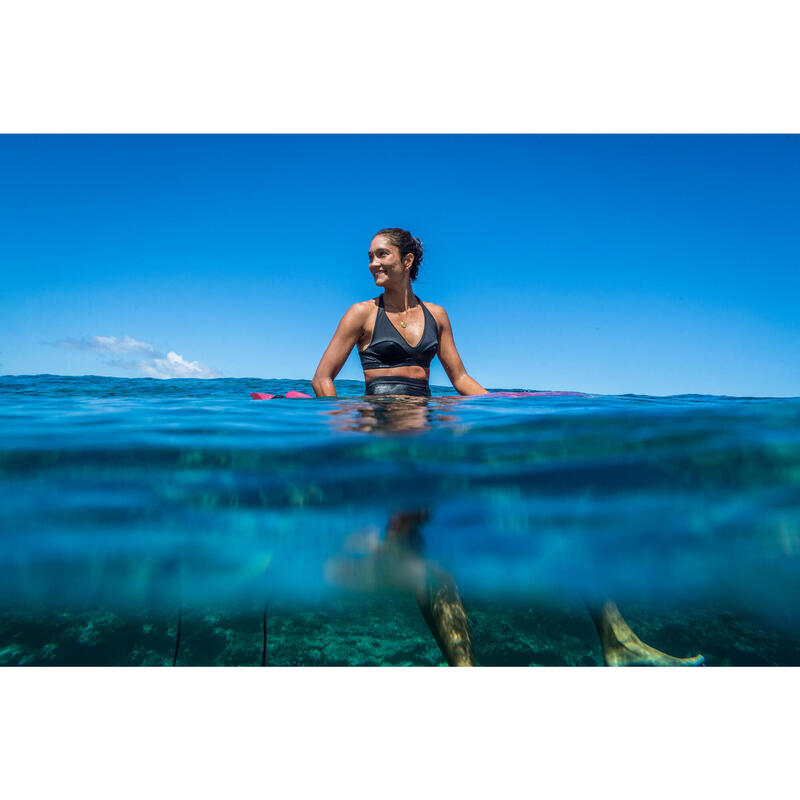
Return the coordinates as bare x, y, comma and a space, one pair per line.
380, 241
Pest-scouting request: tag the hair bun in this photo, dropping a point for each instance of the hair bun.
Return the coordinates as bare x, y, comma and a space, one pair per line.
417, 249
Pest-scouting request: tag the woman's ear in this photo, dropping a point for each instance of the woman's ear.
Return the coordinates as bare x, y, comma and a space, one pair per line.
408, 260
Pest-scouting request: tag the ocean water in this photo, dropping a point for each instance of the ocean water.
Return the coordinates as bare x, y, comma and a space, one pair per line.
137, 515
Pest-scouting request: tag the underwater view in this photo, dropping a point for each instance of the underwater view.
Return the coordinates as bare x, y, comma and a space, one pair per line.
161, 522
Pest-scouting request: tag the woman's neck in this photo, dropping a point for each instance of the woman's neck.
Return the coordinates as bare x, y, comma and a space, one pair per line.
399, 299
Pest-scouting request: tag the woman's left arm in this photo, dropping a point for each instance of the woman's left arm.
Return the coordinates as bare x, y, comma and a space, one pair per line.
451, 360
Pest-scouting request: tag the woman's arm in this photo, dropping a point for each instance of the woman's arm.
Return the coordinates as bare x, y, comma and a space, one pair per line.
343, 341
451, 360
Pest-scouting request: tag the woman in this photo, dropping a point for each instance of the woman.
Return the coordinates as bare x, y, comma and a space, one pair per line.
397, 337
396, 333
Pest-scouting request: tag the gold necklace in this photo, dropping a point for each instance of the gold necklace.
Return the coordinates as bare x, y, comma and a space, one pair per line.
402, 321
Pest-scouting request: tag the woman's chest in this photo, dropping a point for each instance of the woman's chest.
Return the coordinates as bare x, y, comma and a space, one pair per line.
404, 327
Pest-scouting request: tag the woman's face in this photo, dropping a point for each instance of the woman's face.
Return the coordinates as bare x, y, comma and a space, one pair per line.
385, 263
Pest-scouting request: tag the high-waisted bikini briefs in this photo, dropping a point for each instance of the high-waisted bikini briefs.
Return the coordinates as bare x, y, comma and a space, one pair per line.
417, 387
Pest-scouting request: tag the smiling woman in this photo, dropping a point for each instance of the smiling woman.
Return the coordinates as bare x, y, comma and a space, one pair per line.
397, 334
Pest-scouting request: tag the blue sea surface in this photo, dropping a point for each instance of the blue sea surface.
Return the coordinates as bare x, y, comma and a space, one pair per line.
131, 493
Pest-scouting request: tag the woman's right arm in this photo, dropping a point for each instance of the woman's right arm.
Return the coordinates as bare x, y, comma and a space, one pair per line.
344, 340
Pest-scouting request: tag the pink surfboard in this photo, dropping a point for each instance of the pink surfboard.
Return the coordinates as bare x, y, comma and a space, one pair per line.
536, 394
263, 396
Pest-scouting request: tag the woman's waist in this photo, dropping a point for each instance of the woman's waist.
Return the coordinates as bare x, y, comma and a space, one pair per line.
397, 373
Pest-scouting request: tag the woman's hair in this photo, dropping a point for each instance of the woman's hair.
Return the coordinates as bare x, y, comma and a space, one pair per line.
406, 244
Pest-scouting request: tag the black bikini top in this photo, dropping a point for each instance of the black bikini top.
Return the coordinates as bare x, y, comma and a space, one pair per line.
388, 348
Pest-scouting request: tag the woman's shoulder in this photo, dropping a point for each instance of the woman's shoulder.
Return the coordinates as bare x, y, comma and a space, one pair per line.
431, 306
439, 314
361, 310
363, 306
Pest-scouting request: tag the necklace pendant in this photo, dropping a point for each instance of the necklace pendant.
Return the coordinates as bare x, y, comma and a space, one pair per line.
402, 325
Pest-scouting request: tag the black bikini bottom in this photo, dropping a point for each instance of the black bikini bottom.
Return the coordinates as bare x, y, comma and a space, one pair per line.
417, 387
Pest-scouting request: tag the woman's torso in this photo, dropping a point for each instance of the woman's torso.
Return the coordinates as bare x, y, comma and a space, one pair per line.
387, 349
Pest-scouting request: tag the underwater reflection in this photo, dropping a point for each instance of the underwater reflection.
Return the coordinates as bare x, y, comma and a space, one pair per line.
392, 414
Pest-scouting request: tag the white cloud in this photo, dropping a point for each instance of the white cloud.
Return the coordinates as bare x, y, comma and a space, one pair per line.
154, 365
175, 366
126, 344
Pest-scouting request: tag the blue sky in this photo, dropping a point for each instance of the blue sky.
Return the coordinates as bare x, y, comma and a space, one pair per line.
647, 264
